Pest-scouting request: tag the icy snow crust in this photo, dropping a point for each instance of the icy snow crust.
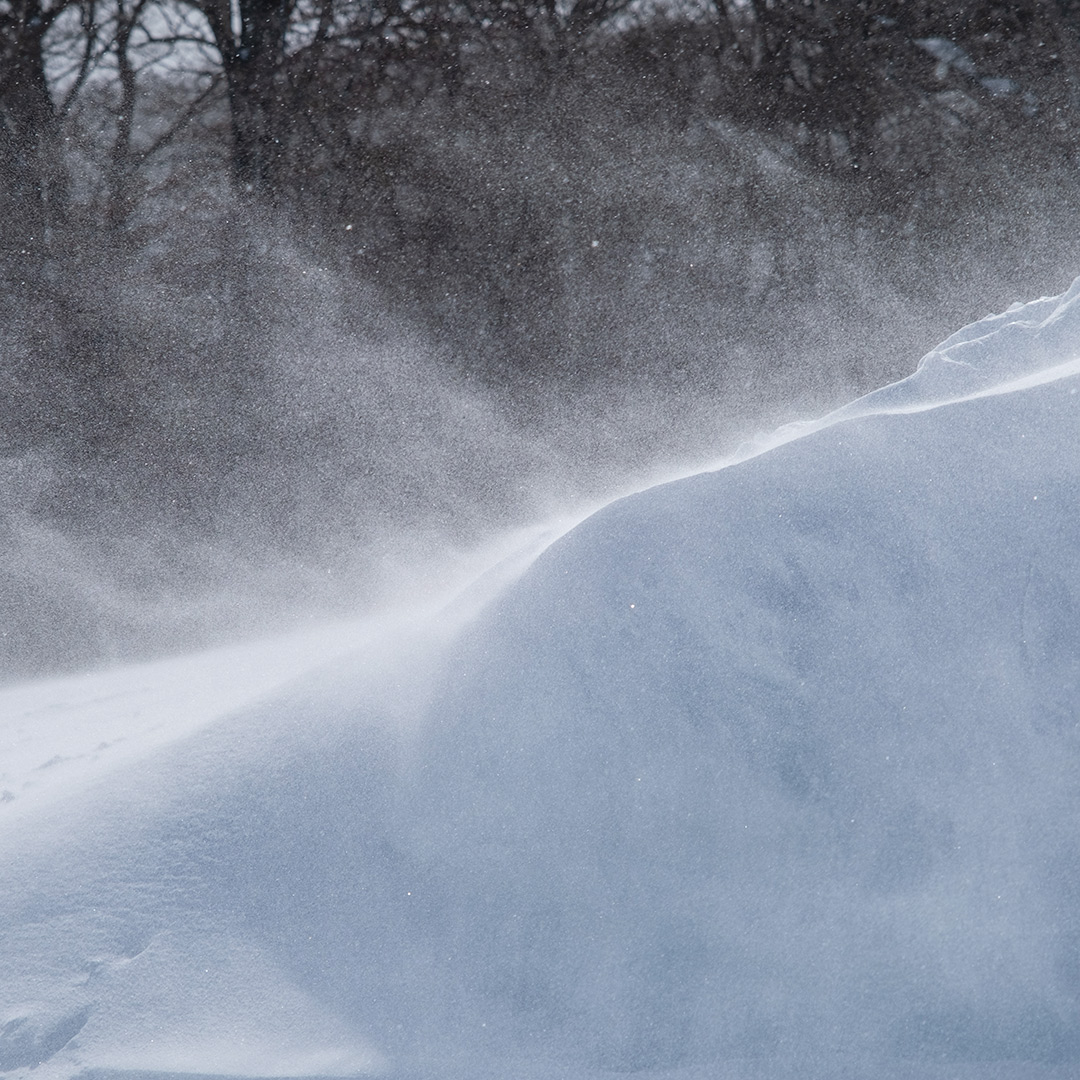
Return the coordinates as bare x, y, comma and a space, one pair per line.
767, 772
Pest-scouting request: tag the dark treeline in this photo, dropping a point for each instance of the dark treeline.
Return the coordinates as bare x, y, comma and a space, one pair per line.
294, 289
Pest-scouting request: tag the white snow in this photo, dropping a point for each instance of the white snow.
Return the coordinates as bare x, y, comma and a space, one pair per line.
58, 735
765, 772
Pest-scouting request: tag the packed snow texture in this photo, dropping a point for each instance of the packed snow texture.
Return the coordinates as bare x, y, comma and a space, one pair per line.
770, 771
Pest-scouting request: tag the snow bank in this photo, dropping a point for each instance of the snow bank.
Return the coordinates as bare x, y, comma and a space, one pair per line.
766, 772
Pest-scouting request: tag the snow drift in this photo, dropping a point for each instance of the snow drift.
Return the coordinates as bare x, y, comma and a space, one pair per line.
766, 772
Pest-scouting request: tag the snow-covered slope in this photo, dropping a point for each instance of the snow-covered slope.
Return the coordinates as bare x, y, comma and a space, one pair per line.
766, 772
58, 736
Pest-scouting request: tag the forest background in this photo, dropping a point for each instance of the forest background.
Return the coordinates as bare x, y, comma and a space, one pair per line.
297, 294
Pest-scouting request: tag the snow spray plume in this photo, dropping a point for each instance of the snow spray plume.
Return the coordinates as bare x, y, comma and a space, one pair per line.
222, 422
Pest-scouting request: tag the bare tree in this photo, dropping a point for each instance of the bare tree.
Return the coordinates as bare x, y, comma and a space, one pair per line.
549, 33
163, 73
251, 38
32, 172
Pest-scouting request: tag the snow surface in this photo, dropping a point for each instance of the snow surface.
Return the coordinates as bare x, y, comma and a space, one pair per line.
767, 772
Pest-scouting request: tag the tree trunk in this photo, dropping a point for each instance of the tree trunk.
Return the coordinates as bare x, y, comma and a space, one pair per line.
252, 58
33, 177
